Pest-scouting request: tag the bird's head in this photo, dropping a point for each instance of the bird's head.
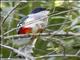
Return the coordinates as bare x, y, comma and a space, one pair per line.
39, 9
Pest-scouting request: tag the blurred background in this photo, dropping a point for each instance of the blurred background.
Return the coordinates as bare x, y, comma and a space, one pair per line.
65, 18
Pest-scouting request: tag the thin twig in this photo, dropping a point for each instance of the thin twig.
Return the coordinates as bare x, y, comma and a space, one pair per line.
13, 49
77, 52
42, 34
10, 31
62, 12
56, 55
9, 14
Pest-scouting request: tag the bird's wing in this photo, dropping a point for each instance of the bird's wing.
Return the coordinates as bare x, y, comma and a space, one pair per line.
21, 22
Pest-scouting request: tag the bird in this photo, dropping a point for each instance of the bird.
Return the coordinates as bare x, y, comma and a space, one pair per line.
35, 22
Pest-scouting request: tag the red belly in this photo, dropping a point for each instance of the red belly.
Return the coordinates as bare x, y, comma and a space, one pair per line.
24, 30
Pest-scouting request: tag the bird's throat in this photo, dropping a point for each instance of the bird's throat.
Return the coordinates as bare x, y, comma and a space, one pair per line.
24, 30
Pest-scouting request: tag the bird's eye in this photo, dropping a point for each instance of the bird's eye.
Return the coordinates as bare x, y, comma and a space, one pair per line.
19, 25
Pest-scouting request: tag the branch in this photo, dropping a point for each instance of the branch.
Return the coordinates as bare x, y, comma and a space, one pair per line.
10, 31
11, 48
77, 52
63, 12
9, 14
42, 34
57, 55
26, 52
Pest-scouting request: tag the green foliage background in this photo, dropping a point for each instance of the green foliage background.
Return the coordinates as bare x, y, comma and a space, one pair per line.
42, 48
